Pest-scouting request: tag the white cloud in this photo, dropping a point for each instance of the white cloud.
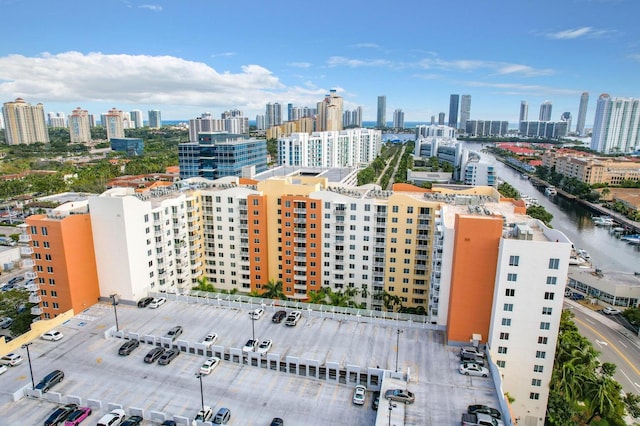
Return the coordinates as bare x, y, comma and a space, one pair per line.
217, 55
500, 68
134, 79
355, 63
634, 56
365, 45
515, 88
300, 64
152, 7
583, 32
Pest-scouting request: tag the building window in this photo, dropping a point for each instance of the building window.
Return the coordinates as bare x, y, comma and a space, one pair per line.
33, 230
510, 292
502, 349
536, 382
508, 307
552, 280
538, 368
545, 325
55, 305
546, 311
534, 395
504, 336
52, 281
541, 354
548, 295
44, 230
512, 277
501, 364
542, 340
47, 257
54, 293
50, 269
45, 244
514, 260
506, 321
554, 263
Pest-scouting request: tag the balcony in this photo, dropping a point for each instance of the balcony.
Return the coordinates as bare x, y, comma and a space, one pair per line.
24, 238
30, 275
32, 287
300, 249
300, 277
26, 251
34, 299
28, 263
36, 310
299, 268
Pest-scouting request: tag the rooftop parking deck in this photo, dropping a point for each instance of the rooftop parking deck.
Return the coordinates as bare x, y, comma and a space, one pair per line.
354, 350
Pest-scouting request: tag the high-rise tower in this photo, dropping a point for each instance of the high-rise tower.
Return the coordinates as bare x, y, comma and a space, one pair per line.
398, 119
582, 113
155, 121
616, 126
545, 111
454, 100
79, 127
465, 110
381, 121
329, 115
24, 123
524, 111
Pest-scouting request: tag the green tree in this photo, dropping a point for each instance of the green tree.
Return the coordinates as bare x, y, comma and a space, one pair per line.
15, 304
205, 285
508, 191
273, 290
317, 297
539, 212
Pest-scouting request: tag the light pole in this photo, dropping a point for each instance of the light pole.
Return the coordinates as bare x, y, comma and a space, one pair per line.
199, 376
399, 332
390, 409
114, 301
253, 327
26, 346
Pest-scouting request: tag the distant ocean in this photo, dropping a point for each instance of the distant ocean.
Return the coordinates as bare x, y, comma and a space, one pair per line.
369, 124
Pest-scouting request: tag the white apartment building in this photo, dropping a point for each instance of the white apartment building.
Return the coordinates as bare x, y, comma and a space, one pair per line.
616, 126
345, 148
79, 126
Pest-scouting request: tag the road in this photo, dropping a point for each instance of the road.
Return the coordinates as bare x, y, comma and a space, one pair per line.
615, 344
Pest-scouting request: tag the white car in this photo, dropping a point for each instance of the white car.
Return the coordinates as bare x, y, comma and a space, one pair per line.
209, 365
256, 313
473, 369
11, 360
250, 346
3, 368
210, 339
471, 350
52, 335
359, 394
264, 346
115, 417
156, 303
611, 311
203, 415
293, 318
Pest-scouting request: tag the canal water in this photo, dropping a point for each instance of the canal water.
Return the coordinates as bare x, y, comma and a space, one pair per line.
607, 251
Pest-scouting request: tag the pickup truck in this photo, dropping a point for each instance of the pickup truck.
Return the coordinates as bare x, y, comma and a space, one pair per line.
480, 419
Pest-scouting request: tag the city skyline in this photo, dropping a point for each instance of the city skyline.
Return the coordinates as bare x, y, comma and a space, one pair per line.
584, 46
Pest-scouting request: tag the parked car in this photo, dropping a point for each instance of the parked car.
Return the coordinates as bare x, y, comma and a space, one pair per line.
277, 421
256, 313
472, 350
375, 400
15, 280
222, 417
51, 379
52, 335
128, 347
400, 395
169, 423
11, 360
479, 408
611, 311
210, 339
168, 356
264, 346
473, 369
250, 346
153, 355
3, 368
113, 418
174, 332
77, 416
577, 296
60, 414
293, 318
472, 358
6, 322
359, 394
144, 302
279, 316
203, 415
480, 419
132, 421
209, 365
156, 303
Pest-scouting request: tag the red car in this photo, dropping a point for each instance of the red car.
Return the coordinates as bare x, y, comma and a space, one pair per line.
78, 416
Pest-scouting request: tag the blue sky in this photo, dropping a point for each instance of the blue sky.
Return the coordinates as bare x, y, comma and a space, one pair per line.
190, 56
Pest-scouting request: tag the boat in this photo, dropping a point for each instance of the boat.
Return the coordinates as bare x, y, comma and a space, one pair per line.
617, 230
631, 239
530, 201
583, 254
550, 191
602, 221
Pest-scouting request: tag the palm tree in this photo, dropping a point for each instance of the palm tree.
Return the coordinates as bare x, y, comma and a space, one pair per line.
273, 290
204, 285
337, 298
317, 297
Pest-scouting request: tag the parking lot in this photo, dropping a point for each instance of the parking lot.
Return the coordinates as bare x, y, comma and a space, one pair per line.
94, 370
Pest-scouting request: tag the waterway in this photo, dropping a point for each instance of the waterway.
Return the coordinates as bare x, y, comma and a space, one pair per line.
607, 251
